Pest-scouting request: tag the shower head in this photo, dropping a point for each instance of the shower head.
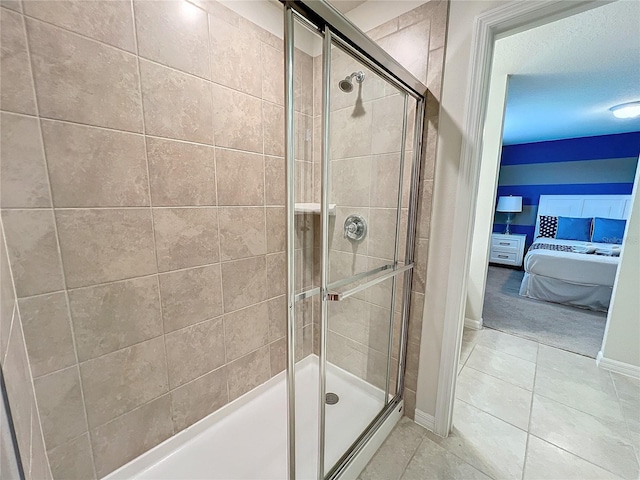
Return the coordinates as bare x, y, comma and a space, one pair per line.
346, 85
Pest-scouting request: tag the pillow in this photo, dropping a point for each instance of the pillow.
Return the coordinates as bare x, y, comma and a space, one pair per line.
548, 226
608, 230
572, 228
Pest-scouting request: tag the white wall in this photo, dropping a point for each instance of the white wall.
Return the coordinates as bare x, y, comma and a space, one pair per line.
485, 206
622, 337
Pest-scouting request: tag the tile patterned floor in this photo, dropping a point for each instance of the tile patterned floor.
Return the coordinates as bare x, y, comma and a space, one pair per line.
523, 411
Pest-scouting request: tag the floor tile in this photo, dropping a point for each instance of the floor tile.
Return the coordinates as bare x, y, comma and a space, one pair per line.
576, 381
434, 462
492, 446
470, 339
497, 397
503, 366
548, 462
603, 442
505, 343
393, 456
627, 388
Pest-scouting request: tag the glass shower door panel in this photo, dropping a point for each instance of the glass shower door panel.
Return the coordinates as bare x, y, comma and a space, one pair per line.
365, 183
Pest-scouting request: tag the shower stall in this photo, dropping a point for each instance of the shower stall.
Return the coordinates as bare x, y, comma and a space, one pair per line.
208, 240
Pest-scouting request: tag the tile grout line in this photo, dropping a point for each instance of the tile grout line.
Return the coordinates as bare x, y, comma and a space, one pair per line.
60, 259
153, 223
533, 389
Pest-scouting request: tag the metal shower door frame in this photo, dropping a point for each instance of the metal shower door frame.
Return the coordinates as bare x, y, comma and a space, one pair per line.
336, 29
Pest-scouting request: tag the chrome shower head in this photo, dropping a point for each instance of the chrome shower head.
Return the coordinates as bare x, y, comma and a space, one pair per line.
346, 85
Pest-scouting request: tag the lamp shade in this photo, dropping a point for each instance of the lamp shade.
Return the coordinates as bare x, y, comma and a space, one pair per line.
509, 204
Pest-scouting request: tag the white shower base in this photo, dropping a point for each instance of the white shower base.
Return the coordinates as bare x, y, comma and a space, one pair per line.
247, 439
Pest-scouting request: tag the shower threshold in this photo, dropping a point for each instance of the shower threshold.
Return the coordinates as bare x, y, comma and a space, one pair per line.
247, 439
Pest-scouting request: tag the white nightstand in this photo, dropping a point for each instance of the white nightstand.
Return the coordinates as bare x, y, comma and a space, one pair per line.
507, 249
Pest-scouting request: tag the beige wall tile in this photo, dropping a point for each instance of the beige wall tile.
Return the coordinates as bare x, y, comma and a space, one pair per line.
272, 81
194, 351
33, 251
273, 119
237, 119
84, 81
16, 84
407, 46
275, 182
109, 317
7, 297
47, 332
278, 356
248, 372
276, 274
276, 229
23, 172
107, 21
303, 131
17, 378
415, 318
420, 260
235, 57
105, 245
197, 399
94, 167
123, 380
185, 237
190, 296
181, 173
424, 208
219, 11
246, 330
350, 135
174, 34
385, 175
176, 105
382, 230
277, 310
303, 82
240, 178
242, 232
39, 463
386, 122
244, 282
60, 404
130, 435
72, 459
350, 180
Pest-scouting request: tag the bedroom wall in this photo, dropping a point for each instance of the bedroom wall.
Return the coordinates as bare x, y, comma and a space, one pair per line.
591, 165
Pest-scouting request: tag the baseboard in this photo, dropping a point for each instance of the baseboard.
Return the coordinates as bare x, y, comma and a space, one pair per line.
617, 367
425, 420
474, 324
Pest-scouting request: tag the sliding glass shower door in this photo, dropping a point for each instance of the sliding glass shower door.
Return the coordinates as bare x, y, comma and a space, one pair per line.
351, 205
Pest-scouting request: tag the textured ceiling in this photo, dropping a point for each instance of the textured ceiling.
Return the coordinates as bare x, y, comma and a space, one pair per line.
567, 74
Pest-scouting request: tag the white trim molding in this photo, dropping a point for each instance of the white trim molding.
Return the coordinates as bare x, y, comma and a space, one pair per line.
614, 366
473, 324
507, 19
425, 420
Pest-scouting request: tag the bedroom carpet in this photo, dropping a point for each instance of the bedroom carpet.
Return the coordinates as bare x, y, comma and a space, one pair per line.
573, 329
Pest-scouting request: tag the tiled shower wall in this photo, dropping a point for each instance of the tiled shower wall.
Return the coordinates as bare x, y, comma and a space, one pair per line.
364, 170
143, 206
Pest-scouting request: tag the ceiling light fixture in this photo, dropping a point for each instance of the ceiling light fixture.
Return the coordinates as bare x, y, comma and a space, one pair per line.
626, 110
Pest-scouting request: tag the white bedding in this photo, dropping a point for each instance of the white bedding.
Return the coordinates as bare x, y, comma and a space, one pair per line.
579, 268
578, 279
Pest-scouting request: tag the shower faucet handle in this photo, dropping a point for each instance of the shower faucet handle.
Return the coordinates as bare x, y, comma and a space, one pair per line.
355, 227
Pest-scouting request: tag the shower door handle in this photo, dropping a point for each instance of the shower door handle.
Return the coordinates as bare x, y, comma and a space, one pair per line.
337, 297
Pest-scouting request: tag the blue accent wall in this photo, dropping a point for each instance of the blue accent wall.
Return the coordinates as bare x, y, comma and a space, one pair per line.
602, 165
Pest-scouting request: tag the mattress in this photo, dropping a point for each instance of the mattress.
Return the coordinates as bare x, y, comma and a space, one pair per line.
571, 267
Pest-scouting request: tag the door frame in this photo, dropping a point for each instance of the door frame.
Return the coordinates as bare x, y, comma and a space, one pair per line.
500, 22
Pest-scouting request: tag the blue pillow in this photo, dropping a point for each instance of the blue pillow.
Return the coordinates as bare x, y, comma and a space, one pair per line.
572, 228
608, 230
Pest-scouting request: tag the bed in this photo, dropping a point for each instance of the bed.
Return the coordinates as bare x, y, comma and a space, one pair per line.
554, 272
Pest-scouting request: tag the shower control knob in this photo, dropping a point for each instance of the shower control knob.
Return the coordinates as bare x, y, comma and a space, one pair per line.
355, 227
